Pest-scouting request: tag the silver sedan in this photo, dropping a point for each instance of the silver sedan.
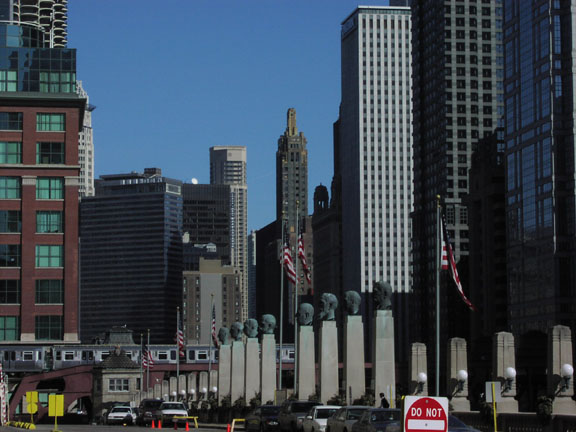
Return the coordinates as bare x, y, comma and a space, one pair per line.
343, 419
315, 420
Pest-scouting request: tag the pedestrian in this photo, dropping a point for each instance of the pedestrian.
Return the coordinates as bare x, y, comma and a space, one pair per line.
383, 401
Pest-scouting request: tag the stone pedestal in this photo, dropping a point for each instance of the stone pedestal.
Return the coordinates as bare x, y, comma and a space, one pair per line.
268, 368
383, 355
237, 371
173, 388
504, 358
328, 361
203, 385
418, 364
192, 385
306, 363
560, 353
252, 369
457, 361
224, 367
354, 366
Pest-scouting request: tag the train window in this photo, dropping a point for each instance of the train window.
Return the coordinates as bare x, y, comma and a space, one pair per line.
68, 355
191, 355
105, 355
172, 355
87, 355
216, 356
291, 354
27, 355
202, 355
162, 355
58, 355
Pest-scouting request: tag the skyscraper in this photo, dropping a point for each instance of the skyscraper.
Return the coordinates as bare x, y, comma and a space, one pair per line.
86, 147
131, 255
291, 175
457, 60
374, 146
540, 158
40, 118
228, 166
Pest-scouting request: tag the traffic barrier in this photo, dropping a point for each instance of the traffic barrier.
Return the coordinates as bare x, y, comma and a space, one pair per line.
239, 420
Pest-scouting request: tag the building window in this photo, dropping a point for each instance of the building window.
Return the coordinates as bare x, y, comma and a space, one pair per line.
49, 153
11, 121
9, 187
10, 221
8, 80
10, 291
48, 327
57, 82
10, 152
49, 188
118, 384
49, 256
9, 328
9, 255
49, 292
46, 122
49, 222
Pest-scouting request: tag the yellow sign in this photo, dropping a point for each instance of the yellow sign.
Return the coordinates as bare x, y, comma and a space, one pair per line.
32, 402
56, 405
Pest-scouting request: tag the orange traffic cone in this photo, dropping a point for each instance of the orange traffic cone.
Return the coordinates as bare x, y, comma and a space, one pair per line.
228, 428
153, 425
159, 424
187, 427
175, 425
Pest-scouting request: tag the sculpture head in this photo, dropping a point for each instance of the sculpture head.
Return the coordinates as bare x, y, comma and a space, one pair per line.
305, 314
268, 324
328, 304
382, 295
224, 336
352, 302
251, 328
236, 331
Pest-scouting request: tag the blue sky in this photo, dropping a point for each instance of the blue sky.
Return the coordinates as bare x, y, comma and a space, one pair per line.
171, 78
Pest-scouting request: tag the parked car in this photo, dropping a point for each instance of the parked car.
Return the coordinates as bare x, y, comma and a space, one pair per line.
457, 425
120, 415
148, 411
377, 420
173, 412
343, 419
263, 419
291, 414
315, 420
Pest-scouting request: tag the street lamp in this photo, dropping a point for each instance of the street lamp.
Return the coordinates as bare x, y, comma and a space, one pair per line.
567, 372
509, 376
462, 377
421, 380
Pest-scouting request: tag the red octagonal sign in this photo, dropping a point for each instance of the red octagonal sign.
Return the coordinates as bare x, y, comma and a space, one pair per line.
425, 414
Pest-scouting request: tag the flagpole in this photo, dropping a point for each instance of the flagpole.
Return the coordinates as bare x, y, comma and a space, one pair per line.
439, 266
141, 365
211, 341
281, 303
148, 362
295, 308
177, 351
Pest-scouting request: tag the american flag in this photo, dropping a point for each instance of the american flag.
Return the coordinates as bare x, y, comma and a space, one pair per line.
448, 246
214, 334
288, 264
147, 360
180, 339
302, 257
444, 262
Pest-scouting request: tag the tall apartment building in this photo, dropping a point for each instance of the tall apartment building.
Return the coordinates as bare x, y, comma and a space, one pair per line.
131, 255
206, 216
458, 66
228, 166
540, 158
86, 147
40, 118
374, 146
291, 175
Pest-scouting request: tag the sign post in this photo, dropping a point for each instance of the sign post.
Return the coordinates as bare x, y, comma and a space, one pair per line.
423, 413
493, 394
55, 408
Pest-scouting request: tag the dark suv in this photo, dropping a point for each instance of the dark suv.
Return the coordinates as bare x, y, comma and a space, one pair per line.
292, 412
148, 411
